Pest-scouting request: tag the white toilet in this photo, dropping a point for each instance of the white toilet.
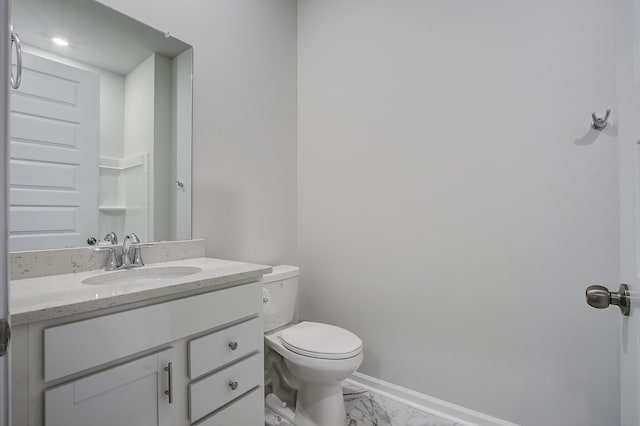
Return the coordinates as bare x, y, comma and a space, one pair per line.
308, 359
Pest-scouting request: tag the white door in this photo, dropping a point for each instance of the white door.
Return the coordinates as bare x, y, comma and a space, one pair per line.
628, 81
126, 395
54, 156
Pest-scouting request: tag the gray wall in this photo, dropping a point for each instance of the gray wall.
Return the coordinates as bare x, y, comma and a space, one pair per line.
244, 153
453, 203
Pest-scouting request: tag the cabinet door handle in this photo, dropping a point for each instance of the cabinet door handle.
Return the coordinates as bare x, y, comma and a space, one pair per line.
233, 385
233, 346
169, 392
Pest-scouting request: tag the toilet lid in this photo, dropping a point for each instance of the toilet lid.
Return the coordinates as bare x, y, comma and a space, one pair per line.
319, 340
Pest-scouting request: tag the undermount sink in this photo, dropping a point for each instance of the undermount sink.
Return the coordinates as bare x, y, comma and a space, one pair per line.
142, 275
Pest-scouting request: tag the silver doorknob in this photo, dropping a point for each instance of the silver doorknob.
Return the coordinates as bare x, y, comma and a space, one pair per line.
600, 297
233, 346
233, 385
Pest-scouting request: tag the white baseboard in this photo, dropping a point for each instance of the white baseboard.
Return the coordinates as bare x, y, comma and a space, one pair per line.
426, 403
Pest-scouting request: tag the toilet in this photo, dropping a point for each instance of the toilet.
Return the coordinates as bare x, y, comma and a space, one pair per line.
307, 361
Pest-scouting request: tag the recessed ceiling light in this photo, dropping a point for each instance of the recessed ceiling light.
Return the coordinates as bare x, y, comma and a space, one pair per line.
60, 42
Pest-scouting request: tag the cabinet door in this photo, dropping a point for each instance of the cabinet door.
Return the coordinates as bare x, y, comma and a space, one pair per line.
129, 394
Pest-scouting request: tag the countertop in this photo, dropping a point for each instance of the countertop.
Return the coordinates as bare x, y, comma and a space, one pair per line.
44, 298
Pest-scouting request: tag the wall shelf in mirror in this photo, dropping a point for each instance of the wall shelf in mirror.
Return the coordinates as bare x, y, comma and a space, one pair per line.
124, 163
114, 209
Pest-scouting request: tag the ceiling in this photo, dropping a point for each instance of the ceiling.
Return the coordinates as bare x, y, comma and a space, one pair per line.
97, 35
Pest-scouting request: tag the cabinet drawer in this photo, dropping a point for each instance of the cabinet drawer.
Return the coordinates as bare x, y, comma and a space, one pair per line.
104, 339
247, 411
212, 392
222, 347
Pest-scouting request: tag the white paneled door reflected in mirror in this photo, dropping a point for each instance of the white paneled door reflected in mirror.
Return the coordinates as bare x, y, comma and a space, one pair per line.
100, 128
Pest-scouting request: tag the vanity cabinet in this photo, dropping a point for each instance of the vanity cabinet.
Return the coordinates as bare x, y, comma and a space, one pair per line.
204, 351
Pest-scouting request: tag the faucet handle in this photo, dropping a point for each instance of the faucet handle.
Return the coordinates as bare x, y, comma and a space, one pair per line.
143, 245
137, 256
112, 262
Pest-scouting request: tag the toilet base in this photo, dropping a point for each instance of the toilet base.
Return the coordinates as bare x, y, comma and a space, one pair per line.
315, 406
320, 405
280, 408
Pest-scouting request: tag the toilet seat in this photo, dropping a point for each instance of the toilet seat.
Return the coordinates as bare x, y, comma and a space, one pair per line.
318, 340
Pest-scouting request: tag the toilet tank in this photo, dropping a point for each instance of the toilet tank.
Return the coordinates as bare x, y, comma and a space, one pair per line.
280, 289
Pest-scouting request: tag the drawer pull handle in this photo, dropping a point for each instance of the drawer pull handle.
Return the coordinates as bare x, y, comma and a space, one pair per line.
169, 392
233, 385
233, 346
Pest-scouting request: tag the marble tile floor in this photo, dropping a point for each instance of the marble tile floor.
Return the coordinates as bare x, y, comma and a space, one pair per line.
365, 408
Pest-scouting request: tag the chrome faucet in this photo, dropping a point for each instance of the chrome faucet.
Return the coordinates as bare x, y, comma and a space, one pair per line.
126, 250
132, 241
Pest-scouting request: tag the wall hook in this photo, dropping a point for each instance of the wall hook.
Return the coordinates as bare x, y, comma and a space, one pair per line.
599, 123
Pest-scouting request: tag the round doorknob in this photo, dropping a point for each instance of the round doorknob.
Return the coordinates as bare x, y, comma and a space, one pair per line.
233, 385
233, 346
600, 297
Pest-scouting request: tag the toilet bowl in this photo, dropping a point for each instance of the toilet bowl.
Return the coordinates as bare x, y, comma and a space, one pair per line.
313, 358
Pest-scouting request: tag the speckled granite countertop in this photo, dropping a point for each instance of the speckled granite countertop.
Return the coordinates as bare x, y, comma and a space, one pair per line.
44, 298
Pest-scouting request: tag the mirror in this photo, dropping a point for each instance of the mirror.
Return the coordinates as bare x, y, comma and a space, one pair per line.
100, 128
